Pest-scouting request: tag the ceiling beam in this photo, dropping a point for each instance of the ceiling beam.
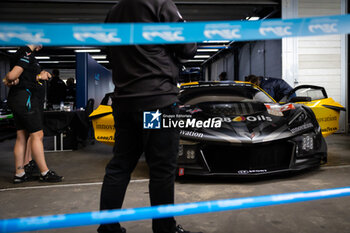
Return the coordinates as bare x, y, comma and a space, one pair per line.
177, 2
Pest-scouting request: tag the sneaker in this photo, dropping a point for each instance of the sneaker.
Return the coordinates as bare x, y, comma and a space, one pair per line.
51, 176
179, 229
21, 179
31, 168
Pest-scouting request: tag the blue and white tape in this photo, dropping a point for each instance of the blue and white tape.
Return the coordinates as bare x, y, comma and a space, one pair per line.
103, 217
54, 34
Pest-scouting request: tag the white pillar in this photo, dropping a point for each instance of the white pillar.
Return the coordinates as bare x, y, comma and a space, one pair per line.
290, 46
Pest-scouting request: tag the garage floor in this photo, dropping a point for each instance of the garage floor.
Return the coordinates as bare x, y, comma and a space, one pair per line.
84, 169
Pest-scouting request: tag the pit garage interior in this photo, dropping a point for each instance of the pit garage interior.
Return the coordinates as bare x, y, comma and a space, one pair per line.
321, 61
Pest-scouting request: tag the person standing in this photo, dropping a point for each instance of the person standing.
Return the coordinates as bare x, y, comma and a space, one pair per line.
277, 88
57, 90
25, 99
145, 79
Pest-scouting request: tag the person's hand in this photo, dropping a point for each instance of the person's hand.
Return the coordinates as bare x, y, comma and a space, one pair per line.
10, 83
44, 75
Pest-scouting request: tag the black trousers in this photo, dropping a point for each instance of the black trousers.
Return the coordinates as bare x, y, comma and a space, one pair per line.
160, 147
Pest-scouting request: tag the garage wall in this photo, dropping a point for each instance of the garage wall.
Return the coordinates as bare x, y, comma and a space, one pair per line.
261, 58
319, 58
225, 63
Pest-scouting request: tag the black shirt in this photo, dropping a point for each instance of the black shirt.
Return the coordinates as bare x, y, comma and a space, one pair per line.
145, 76
24, 57
56, 91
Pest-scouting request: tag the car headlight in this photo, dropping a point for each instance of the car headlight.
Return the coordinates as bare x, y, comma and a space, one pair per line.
308, 143
190, 154
187, 151
305, 144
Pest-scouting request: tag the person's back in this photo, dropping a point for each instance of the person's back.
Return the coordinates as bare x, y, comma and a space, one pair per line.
277, 88
144, 71
71, 90
57, 89
145, 78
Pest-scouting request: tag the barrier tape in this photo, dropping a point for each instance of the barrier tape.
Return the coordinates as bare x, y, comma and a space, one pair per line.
103, 217
54, 34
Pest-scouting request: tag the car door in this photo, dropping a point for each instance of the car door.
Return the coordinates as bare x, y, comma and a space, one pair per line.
327, 110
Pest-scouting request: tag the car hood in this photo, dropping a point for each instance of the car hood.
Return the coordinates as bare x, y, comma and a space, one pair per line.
244, 122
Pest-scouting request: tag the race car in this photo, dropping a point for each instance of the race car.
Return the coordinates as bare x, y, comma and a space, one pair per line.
236, 129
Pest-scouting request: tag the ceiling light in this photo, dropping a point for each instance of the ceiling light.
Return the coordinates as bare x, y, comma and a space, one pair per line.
207, 50
63, 55
8, 47
195, 60
12, 50
42, 57
102, 61
99, 56
87, 50
202, 56
252, 18
49, 62
55, 62
217, 41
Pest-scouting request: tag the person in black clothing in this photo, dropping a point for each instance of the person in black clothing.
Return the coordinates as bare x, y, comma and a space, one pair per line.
57, 89
71, 90
25, 98
223, 76
277, 88
145, 79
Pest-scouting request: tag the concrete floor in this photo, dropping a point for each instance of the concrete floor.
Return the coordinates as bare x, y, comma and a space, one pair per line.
84, 169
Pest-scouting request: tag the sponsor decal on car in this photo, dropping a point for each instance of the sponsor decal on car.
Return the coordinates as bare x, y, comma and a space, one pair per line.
194, 110
106, 138
301, 128
111, 127
329, 118
181, 171
329, 129
243, 118
251, 171
252, 118
191, 134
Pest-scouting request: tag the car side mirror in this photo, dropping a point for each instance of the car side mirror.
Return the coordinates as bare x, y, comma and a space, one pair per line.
300, 99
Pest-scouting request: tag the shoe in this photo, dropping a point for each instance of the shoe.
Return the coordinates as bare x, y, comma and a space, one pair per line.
179, 229
24, 178
31, 168
100, 229
51, 176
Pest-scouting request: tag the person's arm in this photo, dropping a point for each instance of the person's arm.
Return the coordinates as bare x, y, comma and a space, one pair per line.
170, 13
12, 77
44, 75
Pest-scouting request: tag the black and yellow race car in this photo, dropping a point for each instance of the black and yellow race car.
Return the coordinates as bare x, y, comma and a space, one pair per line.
242, 131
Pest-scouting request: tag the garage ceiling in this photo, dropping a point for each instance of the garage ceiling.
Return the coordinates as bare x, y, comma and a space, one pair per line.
88, 11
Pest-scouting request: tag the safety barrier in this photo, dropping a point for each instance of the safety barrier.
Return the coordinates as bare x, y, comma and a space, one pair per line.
166, 33
103, 217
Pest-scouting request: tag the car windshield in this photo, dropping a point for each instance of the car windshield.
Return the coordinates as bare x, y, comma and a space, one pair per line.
226, 94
